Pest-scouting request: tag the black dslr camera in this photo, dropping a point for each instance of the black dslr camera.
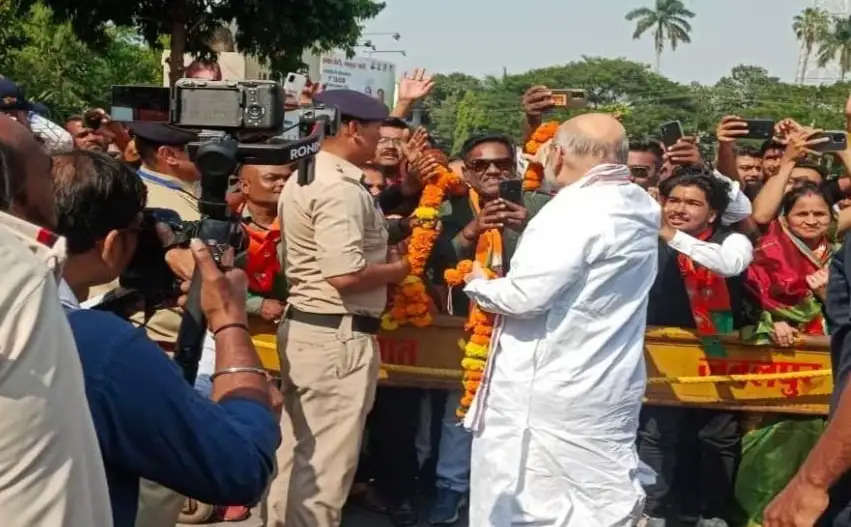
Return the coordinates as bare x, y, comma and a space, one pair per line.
226, 113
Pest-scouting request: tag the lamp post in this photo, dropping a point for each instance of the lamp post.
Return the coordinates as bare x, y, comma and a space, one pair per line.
400, 51
393, 34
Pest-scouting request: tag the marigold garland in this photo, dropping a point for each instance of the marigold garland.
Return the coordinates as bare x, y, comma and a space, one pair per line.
535, 172
479, 326
410, 303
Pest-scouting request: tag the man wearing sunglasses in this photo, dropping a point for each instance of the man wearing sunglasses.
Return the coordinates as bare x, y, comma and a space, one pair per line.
645, 160
488, 160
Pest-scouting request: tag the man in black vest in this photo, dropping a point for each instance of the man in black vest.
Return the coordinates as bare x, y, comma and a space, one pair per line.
699, 279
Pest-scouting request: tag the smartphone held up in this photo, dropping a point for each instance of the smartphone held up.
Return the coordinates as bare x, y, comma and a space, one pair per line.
569, 98
511, 190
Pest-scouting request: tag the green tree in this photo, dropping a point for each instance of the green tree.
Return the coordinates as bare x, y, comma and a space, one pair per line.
57, 69
12, 35
273, 30
810, 27
837, 42
441, 105
668, 21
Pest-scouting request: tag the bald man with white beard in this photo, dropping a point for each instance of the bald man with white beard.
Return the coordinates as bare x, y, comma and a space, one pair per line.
555, 418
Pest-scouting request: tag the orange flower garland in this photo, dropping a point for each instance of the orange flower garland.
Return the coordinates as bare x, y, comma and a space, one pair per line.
479, 326
535, 172
410, 304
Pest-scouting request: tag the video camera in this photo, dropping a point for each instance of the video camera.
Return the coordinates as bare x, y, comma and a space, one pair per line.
240, 122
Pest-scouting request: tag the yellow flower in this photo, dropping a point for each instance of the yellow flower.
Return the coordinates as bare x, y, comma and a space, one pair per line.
426, 213
388, 324
469, 363
475, 349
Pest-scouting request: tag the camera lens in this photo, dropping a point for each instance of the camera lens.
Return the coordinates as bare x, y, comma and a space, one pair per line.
255, 111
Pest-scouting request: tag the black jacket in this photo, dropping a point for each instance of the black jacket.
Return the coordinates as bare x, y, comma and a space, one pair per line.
669, 304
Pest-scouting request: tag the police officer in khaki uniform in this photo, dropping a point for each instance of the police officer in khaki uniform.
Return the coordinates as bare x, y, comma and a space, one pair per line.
338, 267
172, 181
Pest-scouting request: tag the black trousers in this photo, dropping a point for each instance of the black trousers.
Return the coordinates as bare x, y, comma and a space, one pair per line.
393, 430
710, 440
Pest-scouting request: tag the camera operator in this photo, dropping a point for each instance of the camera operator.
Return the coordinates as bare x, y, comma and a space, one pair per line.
172, 182
53, 473
149, 422
338, 267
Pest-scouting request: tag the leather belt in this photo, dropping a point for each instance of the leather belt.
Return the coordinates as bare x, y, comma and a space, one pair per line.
360, 323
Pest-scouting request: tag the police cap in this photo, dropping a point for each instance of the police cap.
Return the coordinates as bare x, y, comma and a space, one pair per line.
12, 97
354, 105
162, 133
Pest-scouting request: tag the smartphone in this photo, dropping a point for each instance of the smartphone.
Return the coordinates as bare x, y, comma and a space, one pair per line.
511, 190
672, 131
759, 129
294, 84
837, 141
140, 103
570, 98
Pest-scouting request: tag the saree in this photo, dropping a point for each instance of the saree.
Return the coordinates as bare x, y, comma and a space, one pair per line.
777, 281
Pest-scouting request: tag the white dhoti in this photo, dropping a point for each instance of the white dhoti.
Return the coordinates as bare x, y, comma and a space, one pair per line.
556, 416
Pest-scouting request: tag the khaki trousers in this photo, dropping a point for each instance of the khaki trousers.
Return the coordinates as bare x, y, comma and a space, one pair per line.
328, 379
158, 506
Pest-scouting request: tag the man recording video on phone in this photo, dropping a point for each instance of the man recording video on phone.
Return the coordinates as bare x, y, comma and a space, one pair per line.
150, 423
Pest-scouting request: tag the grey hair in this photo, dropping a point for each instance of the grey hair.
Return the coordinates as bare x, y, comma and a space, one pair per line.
583, 146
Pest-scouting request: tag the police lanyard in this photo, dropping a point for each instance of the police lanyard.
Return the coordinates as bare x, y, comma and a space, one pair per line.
158, 180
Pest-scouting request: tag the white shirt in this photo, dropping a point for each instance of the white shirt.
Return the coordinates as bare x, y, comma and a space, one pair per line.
67, 297
557, 412
740, 206
50, 461
729, 258
56, 139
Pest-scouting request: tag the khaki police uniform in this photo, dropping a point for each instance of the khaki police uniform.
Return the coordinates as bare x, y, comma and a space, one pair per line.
332, 227
160, 506
167, 192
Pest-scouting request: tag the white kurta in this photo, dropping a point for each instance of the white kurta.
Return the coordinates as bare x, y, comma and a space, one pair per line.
556, 417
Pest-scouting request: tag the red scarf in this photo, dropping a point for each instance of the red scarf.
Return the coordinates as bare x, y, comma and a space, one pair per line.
261, 264
777, 278
707, 294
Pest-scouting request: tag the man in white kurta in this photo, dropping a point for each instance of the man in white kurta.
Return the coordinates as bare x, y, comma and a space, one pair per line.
555, 419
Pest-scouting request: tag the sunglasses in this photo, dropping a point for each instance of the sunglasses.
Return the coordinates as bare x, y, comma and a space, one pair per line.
639, 171
482, 165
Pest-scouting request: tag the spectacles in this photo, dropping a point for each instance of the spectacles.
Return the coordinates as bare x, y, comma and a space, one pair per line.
482, 165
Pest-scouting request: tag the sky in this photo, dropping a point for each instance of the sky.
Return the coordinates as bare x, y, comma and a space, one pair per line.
481, 37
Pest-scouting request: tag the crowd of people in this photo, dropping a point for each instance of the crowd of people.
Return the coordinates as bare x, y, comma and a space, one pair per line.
101, 427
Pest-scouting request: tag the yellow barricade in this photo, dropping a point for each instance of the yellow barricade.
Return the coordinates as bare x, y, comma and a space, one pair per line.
745, 377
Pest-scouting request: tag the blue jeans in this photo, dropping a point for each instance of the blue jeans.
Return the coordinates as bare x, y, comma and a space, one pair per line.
453, 457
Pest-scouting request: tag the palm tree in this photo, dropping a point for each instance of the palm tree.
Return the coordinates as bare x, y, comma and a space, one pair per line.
668, 22
837, 41
810, 27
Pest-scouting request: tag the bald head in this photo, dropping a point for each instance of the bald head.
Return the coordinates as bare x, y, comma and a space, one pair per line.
597, 136
27, 185
581, 144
